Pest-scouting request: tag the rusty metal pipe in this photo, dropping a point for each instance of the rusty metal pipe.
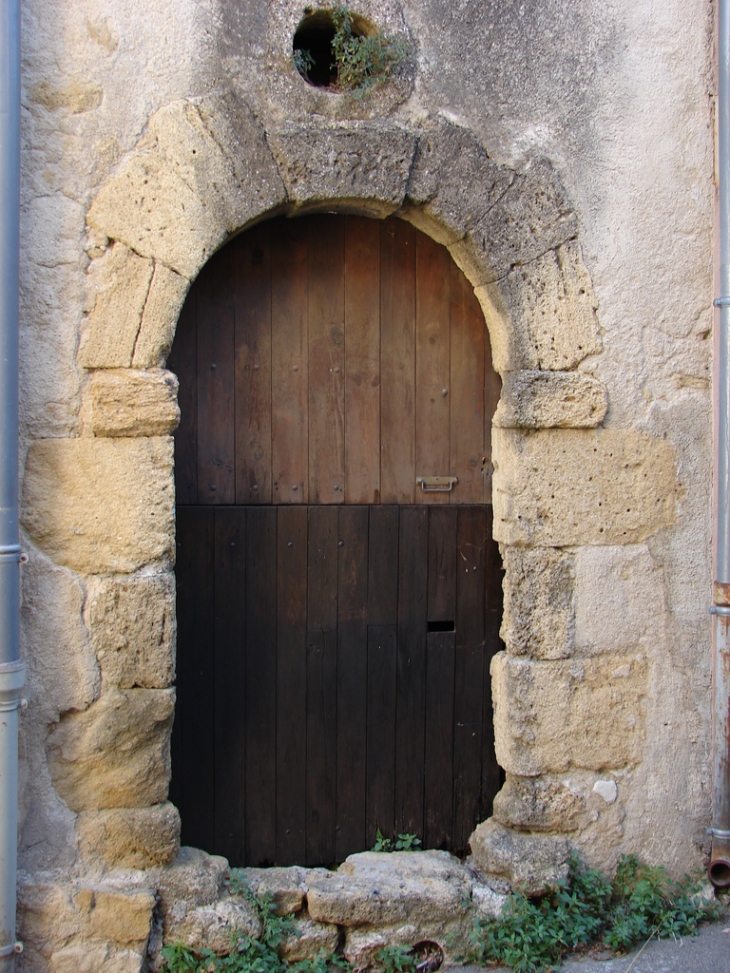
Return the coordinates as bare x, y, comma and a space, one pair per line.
719, 868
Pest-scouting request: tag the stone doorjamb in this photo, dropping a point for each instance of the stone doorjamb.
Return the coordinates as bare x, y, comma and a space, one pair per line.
102, 504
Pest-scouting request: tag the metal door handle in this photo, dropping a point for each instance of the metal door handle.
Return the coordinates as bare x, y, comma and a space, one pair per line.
437, 484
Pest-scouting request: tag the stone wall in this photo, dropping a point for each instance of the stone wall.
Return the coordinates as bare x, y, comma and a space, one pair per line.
563, 153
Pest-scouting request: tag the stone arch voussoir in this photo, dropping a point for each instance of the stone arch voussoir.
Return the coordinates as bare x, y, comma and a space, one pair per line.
207, 169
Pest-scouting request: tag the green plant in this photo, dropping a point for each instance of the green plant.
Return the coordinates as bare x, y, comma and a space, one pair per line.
362, 61
403, 842
248, 955
532, 935
396, 959
304, 62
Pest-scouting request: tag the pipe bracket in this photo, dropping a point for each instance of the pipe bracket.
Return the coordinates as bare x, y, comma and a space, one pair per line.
718, 833
12, 680
10, 552
720, 610
12, 949
721, 302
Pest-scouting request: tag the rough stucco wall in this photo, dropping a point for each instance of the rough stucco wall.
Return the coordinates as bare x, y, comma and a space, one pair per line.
617, 98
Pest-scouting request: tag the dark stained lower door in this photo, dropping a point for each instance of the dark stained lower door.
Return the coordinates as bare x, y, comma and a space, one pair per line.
333, 678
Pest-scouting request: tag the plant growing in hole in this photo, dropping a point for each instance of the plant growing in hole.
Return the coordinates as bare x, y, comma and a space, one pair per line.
359, 61
403, 842
532, 935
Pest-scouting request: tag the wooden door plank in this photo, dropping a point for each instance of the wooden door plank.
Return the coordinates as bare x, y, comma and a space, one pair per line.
252, 301
433, 370
216, 438
352, 599
322, 685
260, 696
183, 361
397, 361
468, 338
469, 675
230, 682
439, 746
289, 419
442, 564
362, 360
411, 669
381, 675
381, 731
196, 675
291, 681
326, 359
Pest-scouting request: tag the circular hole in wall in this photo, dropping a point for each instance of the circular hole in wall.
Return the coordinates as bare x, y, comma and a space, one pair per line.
428, 955
313, 54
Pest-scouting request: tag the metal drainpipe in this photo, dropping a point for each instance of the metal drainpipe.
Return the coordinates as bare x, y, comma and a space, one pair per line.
11, 668
719, 869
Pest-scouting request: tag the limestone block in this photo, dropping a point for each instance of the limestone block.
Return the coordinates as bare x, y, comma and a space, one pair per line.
120, 281
100, 505
124, 917
195, 878
363, 163
130, 837
66, 676
46, 914
539, 602
132, 402
211, 926
550, 716
376, 887
542, 315
453, 183
132, 625
286, 886
87, 958
161, 204
544, 400
539, 804
568, 487
235, 128
619, 596
532, 216
531, 863
159, 317
116, 753
311, 939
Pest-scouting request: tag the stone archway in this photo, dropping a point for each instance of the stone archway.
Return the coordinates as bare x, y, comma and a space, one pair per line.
102, 504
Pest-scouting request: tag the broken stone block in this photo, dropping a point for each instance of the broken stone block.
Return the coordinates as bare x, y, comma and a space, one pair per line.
130, 837
550, 716
115, 754
544, 400
132, 402
539, 804
100, 505
132, 625
532, 864
194, 879
539, 602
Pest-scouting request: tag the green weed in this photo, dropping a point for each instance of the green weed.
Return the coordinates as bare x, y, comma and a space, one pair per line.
249, 955
396, 959
402, 842
533, 935
360, 61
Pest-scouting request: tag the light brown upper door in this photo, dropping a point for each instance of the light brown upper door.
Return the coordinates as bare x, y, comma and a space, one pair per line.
333, 359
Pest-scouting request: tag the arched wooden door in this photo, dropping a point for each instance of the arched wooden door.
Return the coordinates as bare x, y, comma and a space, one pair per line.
336, 617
